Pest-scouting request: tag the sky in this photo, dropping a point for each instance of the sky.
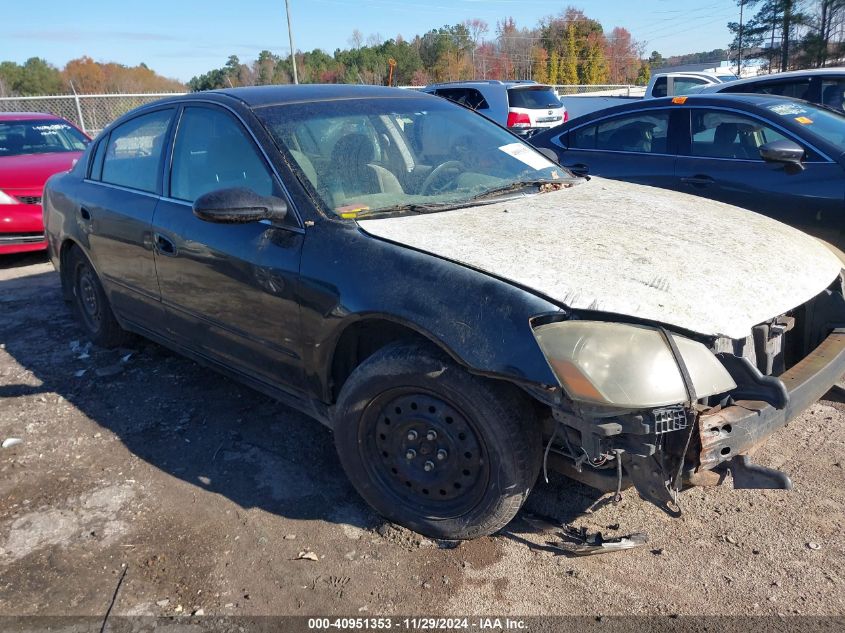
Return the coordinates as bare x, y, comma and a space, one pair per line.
184, 38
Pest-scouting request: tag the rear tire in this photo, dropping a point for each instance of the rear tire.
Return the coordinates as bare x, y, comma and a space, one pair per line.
431, 447
91, 304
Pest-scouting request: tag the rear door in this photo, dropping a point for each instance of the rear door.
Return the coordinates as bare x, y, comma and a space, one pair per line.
117, 202
229, 290
636, 147
722, 162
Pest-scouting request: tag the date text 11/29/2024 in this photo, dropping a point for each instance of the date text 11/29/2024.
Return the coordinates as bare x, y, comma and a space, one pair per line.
417, 623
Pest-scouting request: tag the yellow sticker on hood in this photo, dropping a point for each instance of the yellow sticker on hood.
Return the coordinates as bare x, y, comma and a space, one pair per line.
804, 120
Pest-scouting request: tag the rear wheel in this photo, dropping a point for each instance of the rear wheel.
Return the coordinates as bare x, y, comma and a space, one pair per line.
431, 447
91, 304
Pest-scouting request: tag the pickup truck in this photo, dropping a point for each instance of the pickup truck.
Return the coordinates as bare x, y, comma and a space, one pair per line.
661, 85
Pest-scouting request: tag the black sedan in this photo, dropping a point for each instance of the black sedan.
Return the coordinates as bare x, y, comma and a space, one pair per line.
456, 307
774, 155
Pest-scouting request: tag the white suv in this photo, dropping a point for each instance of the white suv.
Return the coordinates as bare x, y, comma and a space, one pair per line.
525, 107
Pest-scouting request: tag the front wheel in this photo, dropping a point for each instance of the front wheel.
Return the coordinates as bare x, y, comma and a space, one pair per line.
433, 448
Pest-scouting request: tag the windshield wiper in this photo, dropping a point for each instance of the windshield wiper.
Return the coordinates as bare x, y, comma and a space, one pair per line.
409, 208
515, 186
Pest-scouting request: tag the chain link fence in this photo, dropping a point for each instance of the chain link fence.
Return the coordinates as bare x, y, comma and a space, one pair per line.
90, 113
606, 90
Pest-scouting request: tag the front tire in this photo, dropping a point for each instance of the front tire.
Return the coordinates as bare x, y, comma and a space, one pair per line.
91, 304
431, 447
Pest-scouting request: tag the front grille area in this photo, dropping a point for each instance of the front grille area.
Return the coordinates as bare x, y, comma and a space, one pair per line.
29, 199
669, 419
7, 239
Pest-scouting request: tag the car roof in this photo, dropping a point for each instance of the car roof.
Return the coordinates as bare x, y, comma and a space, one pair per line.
749, 102
28, 116
260, 96
791, 74
487, 82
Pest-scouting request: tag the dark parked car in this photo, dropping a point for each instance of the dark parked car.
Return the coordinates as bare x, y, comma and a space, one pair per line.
454, 305
825, 86
774, 155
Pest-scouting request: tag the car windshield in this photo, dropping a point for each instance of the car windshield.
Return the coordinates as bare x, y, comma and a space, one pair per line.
39, 136
407, 154
818, 121
533, 98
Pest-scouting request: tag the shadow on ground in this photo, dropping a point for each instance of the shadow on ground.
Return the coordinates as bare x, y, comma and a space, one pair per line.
194, 424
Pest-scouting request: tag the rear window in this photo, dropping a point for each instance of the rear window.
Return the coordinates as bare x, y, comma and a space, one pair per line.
42, 136
799, 89
539, 98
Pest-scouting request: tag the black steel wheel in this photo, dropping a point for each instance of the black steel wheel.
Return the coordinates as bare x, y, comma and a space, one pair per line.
431, 447
90, 302
425, 450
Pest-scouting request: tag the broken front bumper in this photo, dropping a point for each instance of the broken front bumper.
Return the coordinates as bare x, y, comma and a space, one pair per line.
746, 424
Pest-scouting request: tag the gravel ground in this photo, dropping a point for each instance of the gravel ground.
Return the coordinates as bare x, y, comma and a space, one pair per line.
208, 494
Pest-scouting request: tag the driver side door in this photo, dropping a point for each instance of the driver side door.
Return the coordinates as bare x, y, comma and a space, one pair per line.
229, 290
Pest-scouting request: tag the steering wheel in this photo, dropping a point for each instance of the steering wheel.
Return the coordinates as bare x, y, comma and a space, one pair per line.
437, 173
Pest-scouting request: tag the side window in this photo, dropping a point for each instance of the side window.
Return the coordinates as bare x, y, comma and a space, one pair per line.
469, 97
97, 160
717, 134
133, 151
660, 88
213, 152
645, 133
683, 85
833, 94
583, 138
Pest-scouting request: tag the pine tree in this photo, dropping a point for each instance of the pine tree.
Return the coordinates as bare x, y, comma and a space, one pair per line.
569, 69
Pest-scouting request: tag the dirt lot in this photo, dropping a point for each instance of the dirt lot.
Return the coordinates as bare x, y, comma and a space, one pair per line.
208, 492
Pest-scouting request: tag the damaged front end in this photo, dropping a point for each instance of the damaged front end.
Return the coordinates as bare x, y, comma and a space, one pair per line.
640, 405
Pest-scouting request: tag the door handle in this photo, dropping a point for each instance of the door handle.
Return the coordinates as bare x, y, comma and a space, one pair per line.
85, 213
164, 245
579, 169
698, 180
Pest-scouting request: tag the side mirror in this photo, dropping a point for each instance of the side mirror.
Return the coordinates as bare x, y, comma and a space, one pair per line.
238, 205
787, 152
549, 153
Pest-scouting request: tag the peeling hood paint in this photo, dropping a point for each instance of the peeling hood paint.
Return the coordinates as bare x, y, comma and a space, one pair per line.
648, 253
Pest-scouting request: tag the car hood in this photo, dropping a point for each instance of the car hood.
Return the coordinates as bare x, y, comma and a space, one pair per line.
31, 171
628, 249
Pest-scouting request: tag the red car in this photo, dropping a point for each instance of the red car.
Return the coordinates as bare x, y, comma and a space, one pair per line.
33, 147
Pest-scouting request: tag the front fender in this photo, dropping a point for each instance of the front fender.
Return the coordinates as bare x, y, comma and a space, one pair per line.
481, 321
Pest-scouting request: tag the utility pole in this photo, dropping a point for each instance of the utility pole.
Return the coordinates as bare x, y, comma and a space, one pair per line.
292, 49
739, 54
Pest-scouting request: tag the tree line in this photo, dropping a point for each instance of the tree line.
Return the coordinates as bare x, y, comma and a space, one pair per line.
569, 48
789, 34
84, 75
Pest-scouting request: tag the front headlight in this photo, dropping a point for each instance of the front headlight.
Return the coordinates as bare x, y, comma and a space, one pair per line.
5, 198
628, 366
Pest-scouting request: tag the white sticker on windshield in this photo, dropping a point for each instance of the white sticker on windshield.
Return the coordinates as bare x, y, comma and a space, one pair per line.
526, 155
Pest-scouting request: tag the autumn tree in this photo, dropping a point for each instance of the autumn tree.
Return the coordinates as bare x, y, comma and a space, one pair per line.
594, 69
541, 65
623, 57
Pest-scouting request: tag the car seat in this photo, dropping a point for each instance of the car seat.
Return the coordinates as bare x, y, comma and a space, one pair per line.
355, 172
